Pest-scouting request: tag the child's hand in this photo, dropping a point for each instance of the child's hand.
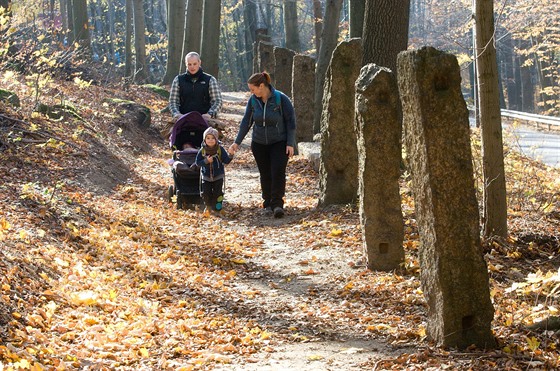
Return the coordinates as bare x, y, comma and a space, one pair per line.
210, 159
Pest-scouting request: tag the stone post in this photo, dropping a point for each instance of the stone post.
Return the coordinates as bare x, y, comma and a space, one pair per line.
454, 275
303, 96
378, 127
283, 62
338, 168
265, 59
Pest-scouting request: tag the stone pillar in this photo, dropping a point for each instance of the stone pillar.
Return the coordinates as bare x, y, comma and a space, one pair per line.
265, 59
303, 96
378, 127
283, 62
338, 168
260, 35
454, 275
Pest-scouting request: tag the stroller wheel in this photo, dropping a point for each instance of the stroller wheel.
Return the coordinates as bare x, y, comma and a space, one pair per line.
170, 193
179, 201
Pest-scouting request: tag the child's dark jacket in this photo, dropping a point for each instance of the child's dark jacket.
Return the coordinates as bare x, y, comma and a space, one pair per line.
215, 170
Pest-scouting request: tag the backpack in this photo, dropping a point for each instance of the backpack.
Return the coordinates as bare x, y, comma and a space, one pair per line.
277, 100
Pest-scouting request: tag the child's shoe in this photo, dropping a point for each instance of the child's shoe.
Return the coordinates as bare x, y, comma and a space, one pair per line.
219, 203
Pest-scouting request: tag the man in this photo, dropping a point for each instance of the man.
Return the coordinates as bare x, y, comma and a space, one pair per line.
194, 90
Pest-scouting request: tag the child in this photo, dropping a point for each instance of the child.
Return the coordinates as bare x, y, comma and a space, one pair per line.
211, 158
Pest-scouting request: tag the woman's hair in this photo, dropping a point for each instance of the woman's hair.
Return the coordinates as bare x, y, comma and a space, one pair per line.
259, 78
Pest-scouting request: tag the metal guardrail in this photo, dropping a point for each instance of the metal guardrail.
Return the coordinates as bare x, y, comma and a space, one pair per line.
549, 121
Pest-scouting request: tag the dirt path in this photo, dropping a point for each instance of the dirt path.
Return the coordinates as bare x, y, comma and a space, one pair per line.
298, 272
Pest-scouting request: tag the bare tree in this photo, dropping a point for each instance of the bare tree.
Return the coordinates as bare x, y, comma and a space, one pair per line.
193, 28
176, 26
210, 48
81, 26
357, 9
328, 43
128, 40
291, 25
140, 68
385, 32
494, 193
318, 23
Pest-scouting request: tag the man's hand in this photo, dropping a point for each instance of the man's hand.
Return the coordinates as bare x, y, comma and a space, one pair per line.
176, 117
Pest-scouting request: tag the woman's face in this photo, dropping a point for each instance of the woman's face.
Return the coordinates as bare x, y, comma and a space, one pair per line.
259, 90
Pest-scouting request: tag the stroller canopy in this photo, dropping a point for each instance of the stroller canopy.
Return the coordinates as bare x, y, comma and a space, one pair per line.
189, 128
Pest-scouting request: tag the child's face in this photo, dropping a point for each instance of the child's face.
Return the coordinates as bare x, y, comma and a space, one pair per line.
187, 146
210, 140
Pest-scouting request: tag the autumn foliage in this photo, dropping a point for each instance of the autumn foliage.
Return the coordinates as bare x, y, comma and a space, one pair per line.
100, 271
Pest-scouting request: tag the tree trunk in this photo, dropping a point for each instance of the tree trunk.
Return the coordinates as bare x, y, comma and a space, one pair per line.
512, 90
291, 25
318, 14
111, 14
140, 68
494, 193
357, 11
81, 26
210, 48
63, 4
176, 25
242, 64
250, 20
328, 43
193, 29
385, 32
128, 40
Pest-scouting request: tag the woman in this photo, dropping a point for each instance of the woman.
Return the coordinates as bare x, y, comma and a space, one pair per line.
273, 140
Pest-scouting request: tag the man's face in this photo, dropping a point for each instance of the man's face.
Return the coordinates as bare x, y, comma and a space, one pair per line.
193, 65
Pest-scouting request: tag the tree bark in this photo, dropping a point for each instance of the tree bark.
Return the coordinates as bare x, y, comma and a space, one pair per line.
193, 28
357, 11
494, 193
318, 14
328, 43
128, 40
250, 31
140, 68
210, 48
176, 25
81, 26
291, 25
385, 32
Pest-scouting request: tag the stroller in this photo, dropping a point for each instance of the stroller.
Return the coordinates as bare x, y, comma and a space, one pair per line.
189, 129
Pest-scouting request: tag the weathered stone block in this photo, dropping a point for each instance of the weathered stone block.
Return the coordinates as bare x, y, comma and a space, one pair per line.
283, 63
378, 128
454, 275
303, 96
339, 153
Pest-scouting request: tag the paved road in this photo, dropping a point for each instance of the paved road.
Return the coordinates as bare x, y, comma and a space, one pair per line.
540, 145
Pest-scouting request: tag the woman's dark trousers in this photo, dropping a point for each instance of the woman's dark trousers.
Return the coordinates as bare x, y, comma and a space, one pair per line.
272, 161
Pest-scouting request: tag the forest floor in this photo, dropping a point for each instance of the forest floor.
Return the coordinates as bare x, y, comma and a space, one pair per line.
99, 271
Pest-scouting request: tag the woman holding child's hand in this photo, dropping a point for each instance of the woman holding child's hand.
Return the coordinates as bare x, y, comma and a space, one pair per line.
271, 114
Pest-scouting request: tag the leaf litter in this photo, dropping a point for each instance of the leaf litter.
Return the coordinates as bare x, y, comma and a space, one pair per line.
100, 272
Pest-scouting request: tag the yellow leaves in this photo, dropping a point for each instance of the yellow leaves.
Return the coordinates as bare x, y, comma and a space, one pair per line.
533, 343
335, 232
87, 298
144, 352
238, 261
315, 357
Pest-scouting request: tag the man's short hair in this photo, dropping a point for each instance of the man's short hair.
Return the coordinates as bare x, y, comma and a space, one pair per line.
191, 55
